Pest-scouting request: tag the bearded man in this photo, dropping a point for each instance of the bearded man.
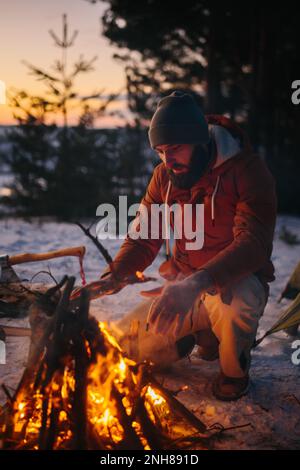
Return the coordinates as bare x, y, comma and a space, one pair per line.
213, 296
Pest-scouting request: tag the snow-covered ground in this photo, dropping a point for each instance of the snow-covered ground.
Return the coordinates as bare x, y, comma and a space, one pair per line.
271, 410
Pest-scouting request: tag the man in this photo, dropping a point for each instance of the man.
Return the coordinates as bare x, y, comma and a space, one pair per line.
214, 296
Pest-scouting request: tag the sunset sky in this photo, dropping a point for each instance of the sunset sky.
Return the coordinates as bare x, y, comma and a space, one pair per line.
24, 26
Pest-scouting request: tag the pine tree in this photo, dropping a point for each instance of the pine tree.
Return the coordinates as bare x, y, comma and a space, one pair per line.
59, 171
240, 58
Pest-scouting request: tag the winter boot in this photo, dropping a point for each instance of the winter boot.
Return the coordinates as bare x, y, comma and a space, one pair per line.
208, 345
230, 388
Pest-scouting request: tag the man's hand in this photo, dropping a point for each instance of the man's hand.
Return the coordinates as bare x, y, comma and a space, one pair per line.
175, 301
106, 286
110, 284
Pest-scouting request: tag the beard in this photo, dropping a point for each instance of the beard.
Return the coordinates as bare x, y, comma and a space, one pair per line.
200, 159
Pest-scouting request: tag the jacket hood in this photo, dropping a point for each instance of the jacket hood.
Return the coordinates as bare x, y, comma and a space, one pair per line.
229, 138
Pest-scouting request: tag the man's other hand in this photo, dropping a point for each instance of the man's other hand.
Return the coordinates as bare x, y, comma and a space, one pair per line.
175, 301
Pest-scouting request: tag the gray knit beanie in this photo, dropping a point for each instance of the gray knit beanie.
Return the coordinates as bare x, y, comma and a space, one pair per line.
178, 120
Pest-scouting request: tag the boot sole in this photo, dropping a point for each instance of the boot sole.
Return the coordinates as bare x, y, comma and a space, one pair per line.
226, 398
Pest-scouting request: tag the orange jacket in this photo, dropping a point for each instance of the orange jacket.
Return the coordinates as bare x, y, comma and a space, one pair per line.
238, 193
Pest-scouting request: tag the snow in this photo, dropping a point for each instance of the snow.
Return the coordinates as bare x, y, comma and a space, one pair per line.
271, 410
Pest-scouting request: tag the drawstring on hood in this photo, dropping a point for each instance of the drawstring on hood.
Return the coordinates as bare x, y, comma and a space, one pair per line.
167, 228
213, 200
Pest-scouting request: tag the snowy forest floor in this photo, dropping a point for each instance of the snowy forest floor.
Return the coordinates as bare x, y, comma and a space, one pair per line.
271, 410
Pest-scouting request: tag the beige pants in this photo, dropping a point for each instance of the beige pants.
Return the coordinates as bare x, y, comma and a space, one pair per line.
233, 321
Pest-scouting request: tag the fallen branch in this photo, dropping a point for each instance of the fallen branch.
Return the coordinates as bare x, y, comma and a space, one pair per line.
7, 393
96, 242
221, 428
44, 272
177, 405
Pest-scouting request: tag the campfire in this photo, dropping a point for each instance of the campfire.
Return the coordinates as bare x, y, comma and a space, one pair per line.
80, 391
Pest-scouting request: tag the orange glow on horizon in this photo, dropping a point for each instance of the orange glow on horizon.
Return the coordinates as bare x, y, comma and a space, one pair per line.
24, 35
7, 119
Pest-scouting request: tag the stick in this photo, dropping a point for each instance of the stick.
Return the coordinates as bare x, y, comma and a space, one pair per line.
7, 393
32, 257
35, 362
15, 330
96, 242
177, 405
150, 432
42, 431
54, 349
81, 366
131, 440
50, 440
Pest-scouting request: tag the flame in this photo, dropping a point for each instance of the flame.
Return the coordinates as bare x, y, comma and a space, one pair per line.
109, 337
140, 275
109, 376
154, 397
62, 416
107, 372
68, 383
21, 406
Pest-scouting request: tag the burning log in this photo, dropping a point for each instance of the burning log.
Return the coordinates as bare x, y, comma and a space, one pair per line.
79, 390
80, 376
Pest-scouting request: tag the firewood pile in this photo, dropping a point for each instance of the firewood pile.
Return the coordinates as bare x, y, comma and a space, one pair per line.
79, 390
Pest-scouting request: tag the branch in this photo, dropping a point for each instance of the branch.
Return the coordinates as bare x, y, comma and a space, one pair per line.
40, 73
44, 272
98, 244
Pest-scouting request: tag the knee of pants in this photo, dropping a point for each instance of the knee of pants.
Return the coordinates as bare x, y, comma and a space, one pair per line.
252, 293
245, 309
141, 344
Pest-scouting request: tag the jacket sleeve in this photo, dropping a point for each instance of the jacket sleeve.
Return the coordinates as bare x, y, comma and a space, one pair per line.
254, 224
137, 254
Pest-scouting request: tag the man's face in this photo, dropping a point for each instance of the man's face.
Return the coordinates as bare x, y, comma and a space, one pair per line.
185, 163
176, 158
